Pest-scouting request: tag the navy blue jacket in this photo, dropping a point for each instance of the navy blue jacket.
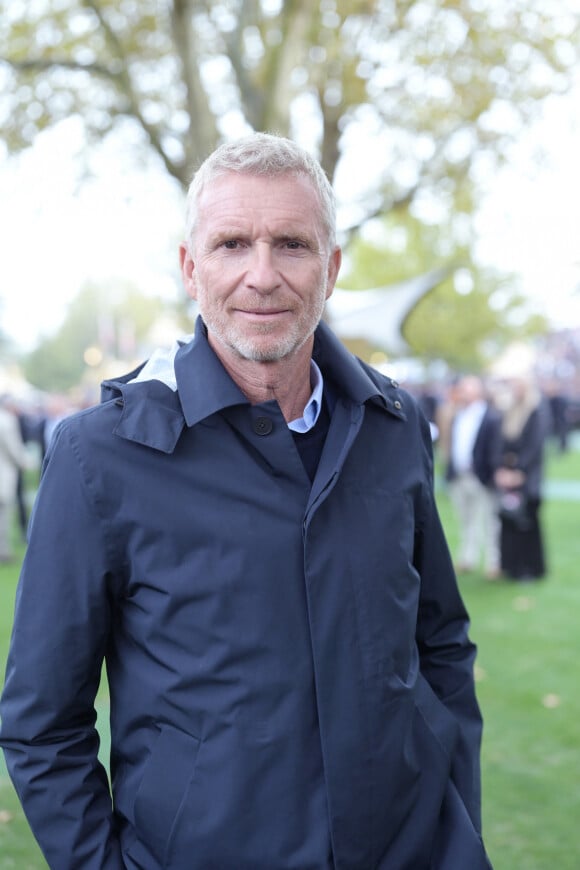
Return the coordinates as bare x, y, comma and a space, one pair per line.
290, 675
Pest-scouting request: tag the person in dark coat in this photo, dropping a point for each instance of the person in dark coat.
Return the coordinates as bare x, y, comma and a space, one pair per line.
245, 532
519, 478
558, 404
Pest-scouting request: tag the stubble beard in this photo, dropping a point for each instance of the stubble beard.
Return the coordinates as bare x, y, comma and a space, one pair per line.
251, 347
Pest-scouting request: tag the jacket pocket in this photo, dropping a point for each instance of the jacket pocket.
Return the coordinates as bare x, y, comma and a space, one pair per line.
161, 795
442, 725
457, 843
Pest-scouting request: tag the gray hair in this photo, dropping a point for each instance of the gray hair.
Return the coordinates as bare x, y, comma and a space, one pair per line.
269, 156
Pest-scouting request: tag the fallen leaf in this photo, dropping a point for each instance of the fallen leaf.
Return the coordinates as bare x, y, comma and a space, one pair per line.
479, 674
523, 603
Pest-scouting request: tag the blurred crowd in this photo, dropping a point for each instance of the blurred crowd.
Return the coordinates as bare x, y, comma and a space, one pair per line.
489, 438
26, 428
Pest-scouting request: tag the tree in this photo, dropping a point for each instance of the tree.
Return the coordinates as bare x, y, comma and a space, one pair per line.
440, 86
446, 80
107, 321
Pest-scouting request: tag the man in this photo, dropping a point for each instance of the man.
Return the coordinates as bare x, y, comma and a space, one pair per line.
13, 461
474, 455
247, 535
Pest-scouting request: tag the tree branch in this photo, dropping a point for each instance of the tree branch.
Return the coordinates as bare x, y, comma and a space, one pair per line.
252, 97
202, 134
42, 64
123, 80
297, 24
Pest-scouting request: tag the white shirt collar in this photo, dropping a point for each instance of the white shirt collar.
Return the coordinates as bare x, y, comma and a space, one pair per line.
312, 410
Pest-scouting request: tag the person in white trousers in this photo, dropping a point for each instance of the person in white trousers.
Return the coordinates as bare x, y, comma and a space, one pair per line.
474, 455
12, 458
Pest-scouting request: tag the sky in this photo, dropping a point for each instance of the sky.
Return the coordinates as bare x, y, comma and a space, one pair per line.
529, 224
59, 232
123, 224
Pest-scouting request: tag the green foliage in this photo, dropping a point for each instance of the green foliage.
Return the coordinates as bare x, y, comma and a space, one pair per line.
446, 78
94, 319
469, 330
468, 318
443, 85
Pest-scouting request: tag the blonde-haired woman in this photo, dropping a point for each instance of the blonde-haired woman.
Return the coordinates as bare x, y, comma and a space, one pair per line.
520, 478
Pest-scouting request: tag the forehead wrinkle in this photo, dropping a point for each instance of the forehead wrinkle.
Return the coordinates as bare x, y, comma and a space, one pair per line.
225, 212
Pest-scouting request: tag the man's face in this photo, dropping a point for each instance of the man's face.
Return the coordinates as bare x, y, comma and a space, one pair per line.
470, 390
258, 266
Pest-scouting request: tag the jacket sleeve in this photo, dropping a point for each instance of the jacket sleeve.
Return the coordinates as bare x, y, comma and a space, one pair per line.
447, 654
61, 626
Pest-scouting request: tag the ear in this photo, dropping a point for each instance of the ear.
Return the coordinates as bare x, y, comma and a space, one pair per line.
187, 267
334, 262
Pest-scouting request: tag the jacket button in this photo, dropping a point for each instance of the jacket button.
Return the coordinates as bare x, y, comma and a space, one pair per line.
397, 405
263, 425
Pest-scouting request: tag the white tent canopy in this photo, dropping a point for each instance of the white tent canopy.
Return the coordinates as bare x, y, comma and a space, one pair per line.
378, 314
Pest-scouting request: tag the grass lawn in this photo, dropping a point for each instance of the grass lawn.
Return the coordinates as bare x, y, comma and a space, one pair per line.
528, 676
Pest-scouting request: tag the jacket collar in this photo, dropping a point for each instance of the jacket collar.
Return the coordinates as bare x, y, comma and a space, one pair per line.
352, 378
214, 390
150, 411
154, 415
203, 385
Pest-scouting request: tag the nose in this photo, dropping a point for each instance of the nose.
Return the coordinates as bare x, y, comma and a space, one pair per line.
262, 274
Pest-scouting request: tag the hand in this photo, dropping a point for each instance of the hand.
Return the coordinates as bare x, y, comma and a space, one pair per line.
509, 478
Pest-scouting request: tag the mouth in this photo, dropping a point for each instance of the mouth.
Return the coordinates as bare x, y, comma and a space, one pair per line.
262, 314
